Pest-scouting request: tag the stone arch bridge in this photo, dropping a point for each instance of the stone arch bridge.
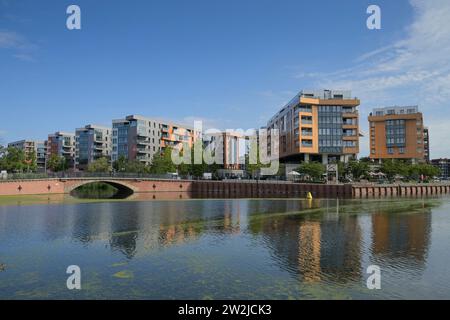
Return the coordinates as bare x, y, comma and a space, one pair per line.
67, 185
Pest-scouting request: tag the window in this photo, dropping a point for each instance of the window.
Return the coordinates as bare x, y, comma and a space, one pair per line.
391, 150
401, 150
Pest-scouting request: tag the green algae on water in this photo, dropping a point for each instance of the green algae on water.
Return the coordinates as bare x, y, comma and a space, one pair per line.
124, 274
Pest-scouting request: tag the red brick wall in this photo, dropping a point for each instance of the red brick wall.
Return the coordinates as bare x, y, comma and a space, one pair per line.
31, 187
66, 186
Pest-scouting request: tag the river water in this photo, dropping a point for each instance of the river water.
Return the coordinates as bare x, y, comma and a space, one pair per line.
225, 248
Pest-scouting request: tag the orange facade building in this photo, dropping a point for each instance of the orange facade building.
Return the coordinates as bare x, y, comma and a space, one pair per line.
140, 138
398, 133
318, 126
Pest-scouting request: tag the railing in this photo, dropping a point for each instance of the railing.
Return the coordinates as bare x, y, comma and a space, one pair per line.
93, 175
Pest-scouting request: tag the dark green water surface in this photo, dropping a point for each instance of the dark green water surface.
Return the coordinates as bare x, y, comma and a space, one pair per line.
225, 249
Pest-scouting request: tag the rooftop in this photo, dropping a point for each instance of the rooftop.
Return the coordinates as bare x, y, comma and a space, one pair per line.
395, 110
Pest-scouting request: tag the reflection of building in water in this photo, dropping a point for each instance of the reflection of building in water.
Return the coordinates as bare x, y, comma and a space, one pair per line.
341, 248
309, 250
231, 218
125, 230
135, 228
176, 234
314, 249
402, 236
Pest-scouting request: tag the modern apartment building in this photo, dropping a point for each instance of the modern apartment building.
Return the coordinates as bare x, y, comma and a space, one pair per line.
91, 143
426, 144
41, 155
62, 144
140, 138
318, 126
29, 146
444, 166
229, 149
228, 146
398, 133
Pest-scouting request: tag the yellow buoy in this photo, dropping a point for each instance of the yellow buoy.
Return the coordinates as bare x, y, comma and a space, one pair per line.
309, 196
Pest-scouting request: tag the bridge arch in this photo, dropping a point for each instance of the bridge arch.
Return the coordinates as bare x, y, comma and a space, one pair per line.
125, 190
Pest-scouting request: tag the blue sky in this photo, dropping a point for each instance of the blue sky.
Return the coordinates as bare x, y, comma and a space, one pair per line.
231, 63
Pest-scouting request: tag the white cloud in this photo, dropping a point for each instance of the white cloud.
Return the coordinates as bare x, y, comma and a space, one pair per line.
9, 39
207, 123
15, 42
413, 70
24, 57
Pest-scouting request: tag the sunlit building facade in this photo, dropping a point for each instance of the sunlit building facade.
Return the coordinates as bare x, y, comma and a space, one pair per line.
62, 144
444, 167
91, 143
140, 138
318, 126
398, 133
29, 146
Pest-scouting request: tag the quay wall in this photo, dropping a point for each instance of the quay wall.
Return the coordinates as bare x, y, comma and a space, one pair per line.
362, 191
232, 188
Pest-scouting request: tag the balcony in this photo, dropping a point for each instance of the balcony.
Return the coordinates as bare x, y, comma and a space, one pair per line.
143, 142
143, 158
306, 144
353, 114
98, 148
144, 151
350, 150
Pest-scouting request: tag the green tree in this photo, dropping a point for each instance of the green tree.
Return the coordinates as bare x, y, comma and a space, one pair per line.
197, 169
315, 170
162, 163
426, 170
281, 170
31, 161
57, 163
2, 155
99, 165
391, 168
365, 159
120, 164
130, 166
253, 168
136, 166
13, 160
358, 169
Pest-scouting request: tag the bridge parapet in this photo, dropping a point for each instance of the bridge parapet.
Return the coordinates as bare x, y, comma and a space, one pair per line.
67, 185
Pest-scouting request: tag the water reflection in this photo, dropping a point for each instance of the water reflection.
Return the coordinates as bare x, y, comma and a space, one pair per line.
401, 238
312, 246
310, 241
